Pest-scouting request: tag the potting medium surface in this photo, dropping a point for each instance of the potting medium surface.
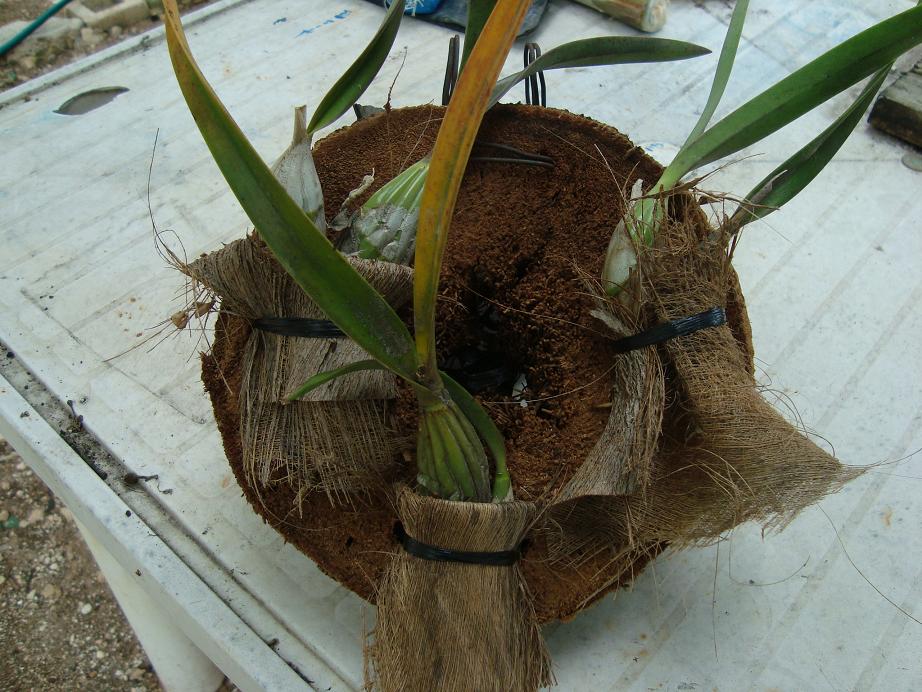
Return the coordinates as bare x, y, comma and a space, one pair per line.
515, 307
831, 284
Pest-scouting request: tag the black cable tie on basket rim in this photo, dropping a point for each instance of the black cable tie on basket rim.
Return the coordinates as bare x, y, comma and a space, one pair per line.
299, 326
499, 558
683, 326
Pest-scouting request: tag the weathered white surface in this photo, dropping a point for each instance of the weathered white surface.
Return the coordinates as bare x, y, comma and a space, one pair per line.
832, 283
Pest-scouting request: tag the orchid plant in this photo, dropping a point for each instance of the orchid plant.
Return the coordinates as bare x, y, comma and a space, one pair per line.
460, 451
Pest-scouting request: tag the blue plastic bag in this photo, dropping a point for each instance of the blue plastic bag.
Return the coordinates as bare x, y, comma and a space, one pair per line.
453, 13
418, 7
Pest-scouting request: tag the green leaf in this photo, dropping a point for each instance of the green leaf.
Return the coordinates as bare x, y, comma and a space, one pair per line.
603, 50
347, 299
321, 378
478, 12
489, 433
360, 74
831, 73
787, 180
724, 67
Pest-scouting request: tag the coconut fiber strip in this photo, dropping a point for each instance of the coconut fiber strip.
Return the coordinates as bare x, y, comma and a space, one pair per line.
728, 456
335, 439
620, 462
724, 455
450, 625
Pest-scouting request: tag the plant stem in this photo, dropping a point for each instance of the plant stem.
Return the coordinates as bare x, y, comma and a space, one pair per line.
449, 451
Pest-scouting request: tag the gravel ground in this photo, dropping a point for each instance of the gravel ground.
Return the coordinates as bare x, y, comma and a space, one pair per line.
13, 73
62, 629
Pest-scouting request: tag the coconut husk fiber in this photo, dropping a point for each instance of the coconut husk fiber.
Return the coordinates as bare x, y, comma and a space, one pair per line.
724, 456
740, 460
629, 453
558, 340
334, 440
454, 626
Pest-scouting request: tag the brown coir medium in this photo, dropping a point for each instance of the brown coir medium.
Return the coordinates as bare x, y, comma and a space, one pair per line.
526, 245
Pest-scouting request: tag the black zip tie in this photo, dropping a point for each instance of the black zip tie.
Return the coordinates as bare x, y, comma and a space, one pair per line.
500, 558
299, 326
502, 159
325, 329
451, 69
516, 155
682, 326
534, 97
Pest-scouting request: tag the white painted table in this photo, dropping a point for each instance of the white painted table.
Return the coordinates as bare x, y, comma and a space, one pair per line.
832, 284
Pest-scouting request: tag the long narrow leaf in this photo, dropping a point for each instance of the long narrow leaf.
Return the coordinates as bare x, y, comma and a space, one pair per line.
787, 180
603, 50
724, 67
360, 74
831, 73
449, 160
321, 378
347, 299
488, 432
478, 11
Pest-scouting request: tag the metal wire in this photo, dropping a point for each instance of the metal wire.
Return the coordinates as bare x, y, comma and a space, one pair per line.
534, 95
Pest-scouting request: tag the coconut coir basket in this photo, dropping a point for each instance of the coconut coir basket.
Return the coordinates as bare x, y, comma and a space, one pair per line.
517, 283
